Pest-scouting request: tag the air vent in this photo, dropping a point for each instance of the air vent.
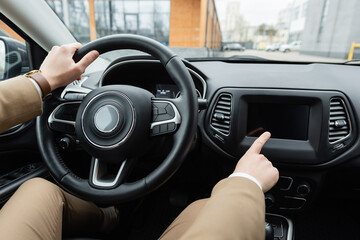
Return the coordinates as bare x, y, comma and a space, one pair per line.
220, 119
339, 122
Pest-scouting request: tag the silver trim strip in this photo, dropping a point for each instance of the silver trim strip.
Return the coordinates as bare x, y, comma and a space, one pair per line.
203, 82
176, 119
290, 224
76, 88
105, 183
131, 127
52, 117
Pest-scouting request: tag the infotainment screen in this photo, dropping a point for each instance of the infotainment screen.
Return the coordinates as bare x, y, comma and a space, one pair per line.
284, 121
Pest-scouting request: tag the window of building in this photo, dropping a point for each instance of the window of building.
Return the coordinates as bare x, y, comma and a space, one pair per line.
304, 9
323, 19
296, 12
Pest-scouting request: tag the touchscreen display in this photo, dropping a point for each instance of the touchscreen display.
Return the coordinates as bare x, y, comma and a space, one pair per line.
284, 121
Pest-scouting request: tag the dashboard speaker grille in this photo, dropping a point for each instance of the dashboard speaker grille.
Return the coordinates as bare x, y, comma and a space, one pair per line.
221, 115
339, 122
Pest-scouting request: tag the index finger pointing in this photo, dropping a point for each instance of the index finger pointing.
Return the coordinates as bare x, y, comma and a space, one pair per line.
259, 143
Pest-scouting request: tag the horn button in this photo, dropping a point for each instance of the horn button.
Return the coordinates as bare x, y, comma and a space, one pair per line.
107, 122
108, 119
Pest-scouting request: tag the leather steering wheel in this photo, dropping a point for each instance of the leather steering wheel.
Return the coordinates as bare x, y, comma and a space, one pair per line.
116, 123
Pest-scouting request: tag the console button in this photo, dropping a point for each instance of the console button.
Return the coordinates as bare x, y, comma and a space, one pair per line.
284, 183
303, 189
292, 203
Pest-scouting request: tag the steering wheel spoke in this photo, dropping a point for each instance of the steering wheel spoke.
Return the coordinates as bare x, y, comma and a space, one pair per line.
62, 118
166, 117
106, 176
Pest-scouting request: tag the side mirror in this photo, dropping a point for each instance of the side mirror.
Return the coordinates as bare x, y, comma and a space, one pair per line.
13, 58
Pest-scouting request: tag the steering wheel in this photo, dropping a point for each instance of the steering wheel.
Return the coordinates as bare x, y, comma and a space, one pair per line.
116, 123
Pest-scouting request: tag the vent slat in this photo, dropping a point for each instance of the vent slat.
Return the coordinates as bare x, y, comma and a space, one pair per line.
335, 108
337, 118
219, 121
227, 103
334, 139
220, 125
222, 106
342, 133
338, 111
336, 129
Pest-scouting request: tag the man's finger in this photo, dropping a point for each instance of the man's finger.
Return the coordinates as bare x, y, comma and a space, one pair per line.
74, 46
88, 59
259, 143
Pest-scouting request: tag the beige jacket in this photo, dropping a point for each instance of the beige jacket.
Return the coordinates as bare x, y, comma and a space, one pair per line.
19, 102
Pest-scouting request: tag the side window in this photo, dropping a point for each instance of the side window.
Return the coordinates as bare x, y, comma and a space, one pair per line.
14, 59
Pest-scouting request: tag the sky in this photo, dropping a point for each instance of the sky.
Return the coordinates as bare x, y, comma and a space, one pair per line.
255, 12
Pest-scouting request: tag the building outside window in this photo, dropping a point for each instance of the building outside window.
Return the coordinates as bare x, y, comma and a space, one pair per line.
323, 19
149, 18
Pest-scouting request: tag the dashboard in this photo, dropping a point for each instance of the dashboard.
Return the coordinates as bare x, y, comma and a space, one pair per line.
310, 109
152, 77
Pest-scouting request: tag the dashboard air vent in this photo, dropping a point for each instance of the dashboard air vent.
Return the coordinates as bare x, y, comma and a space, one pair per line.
339, 122
220, 119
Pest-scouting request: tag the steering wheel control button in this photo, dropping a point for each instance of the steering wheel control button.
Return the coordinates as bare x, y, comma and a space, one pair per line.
170, 110
162, 112
106, 118
171, 127
163, 128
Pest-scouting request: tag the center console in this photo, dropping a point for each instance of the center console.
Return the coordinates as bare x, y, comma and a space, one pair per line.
307, 127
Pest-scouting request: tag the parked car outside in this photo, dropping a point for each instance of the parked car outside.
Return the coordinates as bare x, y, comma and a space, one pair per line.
233, 47
272, 47
294, 46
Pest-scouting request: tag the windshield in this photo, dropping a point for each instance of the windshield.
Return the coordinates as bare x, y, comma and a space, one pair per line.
285, 30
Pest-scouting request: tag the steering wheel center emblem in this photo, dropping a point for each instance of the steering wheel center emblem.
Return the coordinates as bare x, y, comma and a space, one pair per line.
106, 118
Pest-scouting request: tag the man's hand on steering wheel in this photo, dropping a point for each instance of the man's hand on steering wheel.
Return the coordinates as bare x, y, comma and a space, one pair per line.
60, 69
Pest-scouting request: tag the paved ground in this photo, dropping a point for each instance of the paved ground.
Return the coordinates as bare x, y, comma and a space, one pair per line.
291, 56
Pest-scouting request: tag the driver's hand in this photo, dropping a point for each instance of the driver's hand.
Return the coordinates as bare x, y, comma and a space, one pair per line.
257, 165
60, 69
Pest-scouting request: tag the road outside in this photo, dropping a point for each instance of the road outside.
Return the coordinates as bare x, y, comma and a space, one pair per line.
279, 56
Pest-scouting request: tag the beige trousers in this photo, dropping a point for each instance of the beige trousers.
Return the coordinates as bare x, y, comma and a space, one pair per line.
41, 210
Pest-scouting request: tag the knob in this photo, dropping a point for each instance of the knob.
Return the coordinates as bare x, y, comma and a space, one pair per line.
303, 189
269, 200
65, 143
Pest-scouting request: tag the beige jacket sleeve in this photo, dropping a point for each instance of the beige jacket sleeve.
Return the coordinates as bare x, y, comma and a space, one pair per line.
235, 210
19, 102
